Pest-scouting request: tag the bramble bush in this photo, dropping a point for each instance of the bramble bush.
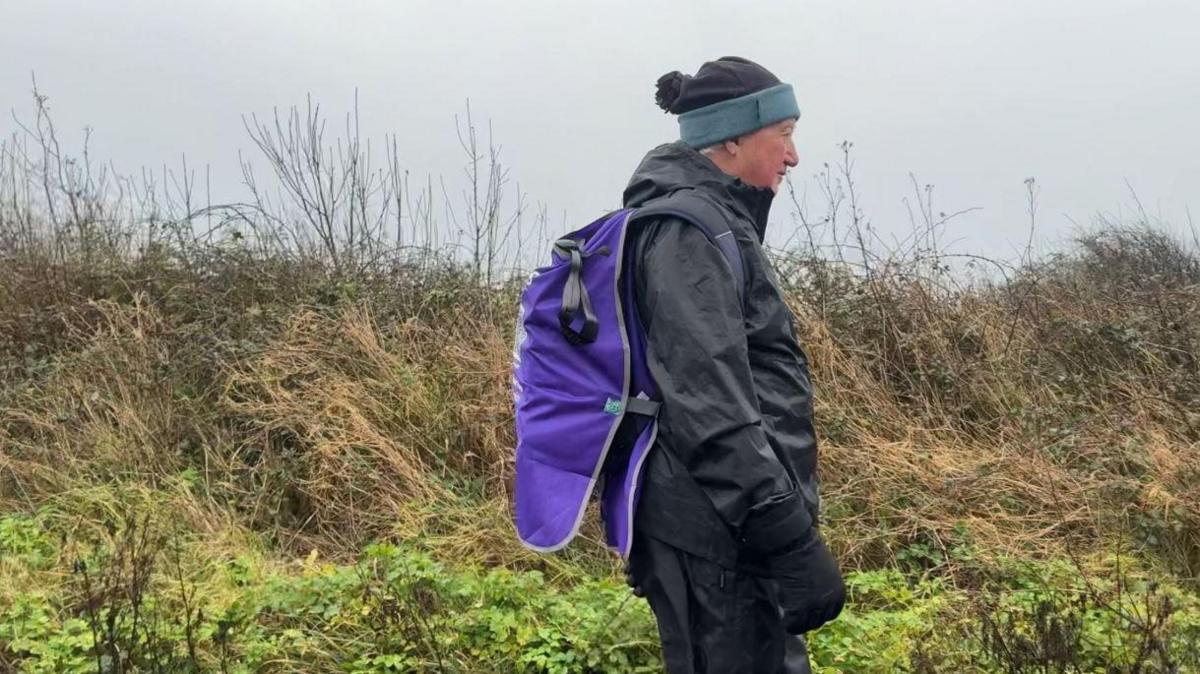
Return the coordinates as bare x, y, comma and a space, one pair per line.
393, 610
86, 606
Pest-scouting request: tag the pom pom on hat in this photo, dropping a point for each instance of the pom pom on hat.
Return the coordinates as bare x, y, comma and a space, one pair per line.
670, 86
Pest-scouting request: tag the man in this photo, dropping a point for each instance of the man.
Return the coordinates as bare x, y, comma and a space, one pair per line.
726, 548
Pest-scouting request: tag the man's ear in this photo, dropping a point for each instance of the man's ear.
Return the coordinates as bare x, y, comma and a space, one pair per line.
731, 146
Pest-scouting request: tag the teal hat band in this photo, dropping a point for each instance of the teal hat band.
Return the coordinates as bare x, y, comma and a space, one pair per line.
714, 123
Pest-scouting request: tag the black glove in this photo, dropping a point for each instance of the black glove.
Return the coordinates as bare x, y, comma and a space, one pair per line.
811, 591
781, 532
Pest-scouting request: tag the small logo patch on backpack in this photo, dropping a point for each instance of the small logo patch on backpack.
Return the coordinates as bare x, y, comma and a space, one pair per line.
612, 406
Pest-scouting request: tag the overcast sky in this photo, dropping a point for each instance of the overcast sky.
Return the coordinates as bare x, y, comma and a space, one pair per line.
969, 95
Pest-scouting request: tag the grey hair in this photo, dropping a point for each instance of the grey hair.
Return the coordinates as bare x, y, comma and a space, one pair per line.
712, 149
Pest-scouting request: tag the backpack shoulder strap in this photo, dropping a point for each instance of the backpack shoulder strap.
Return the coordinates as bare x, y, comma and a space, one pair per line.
687, 204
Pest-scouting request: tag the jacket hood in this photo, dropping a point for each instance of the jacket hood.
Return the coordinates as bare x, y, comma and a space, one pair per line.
674, 166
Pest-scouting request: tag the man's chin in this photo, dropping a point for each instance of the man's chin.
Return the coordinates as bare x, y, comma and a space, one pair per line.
772, 185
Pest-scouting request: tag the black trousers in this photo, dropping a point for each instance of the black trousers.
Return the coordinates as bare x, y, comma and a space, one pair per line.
713, 620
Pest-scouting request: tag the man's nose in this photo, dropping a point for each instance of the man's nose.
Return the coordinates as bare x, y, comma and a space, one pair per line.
792, 157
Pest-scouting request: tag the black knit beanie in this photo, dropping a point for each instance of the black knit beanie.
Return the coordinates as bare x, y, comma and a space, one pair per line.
726, 98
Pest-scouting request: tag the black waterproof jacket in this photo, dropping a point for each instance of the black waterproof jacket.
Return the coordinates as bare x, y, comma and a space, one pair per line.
733, 473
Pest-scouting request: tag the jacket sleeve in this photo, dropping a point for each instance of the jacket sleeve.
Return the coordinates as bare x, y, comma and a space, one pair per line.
690, 307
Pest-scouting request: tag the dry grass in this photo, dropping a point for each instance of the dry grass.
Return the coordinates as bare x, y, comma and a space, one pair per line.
1055, 412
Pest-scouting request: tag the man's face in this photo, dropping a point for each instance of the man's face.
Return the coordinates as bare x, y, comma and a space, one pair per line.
765, 155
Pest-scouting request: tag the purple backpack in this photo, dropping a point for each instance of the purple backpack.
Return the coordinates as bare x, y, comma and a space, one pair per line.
586, 404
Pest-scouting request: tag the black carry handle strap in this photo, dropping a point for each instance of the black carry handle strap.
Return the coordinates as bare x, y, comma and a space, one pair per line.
575, 297
713, 220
